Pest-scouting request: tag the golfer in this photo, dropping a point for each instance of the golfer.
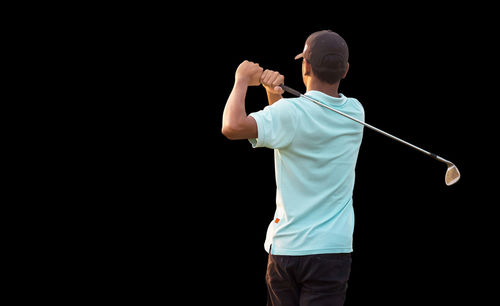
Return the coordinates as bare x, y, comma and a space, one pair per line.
309, 240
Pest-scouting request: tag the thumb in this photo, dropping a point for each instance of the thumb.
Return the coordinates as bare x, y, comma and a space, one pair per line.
279, 90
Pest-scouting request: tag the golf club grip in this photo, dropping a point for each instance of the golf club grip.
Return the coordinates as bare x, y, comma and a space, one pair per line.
290, 90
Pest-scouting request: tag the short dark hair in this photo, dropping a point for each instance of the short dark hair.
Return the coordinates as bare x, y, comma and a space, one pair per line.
328, 75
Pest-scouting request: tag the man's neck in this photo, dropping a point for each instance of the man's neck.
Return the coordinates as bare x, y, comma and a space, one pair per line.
329, 89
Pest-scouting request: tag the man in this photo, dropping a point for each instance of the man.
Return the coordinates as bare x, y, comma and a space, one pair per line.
309, 239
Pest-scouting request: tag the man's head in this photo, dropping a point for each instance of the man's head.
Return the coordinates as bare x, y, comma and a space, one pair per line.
326, 55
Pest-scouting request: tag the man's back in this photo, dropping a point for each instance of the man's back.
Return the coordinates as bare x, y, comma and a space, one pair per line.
315, 156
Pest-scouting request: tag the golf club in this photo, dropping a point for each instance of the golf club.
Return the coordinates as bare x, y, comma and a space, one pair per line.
452, 174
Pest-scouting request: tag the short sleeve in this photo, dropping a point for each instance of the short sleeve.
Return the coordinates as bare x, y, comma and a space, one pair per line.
276, 125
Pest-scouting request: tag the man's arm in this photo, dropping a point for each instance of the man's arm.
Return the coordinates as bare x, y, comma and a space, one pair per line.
235, 122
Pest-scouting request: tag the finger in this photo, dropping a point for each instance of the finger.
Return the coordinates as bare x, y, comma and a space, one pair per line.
267, 74
256, 67
280, 79
263, 76
273, 77
260, 71
279, 90
268, 77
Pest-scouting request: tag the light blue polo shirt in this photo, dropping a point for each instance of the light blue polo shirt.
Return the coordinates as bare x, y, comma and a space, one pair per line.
315, 153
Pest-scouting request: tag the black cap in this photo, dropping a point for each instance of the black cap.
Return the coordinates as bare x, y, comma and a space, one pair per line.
326, 50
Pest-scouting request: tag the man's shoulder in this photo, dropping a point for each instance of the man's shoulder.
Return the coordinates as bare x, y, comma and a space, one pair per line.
353, 101
285, 105
355, 104
288, 101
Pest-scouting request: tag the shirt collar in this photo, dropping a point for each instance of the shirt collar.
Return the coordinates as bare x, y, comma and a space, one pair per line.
324, 98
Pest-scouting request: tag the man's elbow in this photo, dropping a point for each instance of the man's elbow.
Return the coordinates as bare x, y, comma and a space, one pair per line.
236, 130
230, 132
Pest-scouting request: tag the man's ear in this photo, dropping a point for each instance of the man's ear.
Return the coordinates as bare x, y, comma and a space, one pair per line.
346, 70
307, 68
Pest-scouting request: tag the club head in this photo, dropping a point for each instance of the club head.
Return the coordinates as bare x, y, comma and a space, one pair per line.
452, 174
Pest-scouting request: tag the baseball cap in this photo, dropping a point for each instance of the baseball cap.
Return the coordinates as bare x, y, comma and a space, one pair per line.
326, 50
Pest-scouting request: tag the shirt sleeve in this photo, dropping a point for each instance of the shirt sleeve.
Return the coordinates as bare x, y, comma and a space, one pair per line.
276, 125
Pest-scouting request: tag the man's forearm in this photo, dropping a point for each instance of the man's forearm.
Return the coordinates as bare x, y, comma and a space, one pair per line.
235, 122
235, 112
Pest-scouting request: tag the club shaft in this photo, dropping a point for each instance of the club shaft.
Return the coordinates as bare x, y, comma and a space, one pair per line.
298, 94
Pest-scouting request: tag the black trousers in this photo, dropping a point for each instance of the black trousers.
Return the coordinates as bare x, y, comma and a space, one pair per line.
310, 280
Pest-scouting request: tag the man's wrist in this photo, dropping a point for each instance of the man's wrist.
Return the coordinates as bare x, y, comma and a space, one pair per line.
272, 96
242, 81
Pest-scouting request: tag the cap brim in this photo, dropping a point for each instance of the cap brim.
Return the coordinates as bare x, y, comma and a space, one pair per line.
301, 55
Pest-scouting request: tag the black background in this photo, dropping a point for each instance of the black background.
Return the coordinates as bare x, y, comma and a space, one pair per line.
182, 211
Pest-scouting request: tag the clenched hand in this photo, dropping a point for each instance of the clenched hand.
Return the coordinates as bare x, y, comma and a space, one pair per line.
271, 80
249, 72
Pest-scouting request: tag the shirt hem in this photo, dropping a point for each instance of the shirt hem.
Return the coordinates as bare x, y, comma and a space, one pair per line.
278, 251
